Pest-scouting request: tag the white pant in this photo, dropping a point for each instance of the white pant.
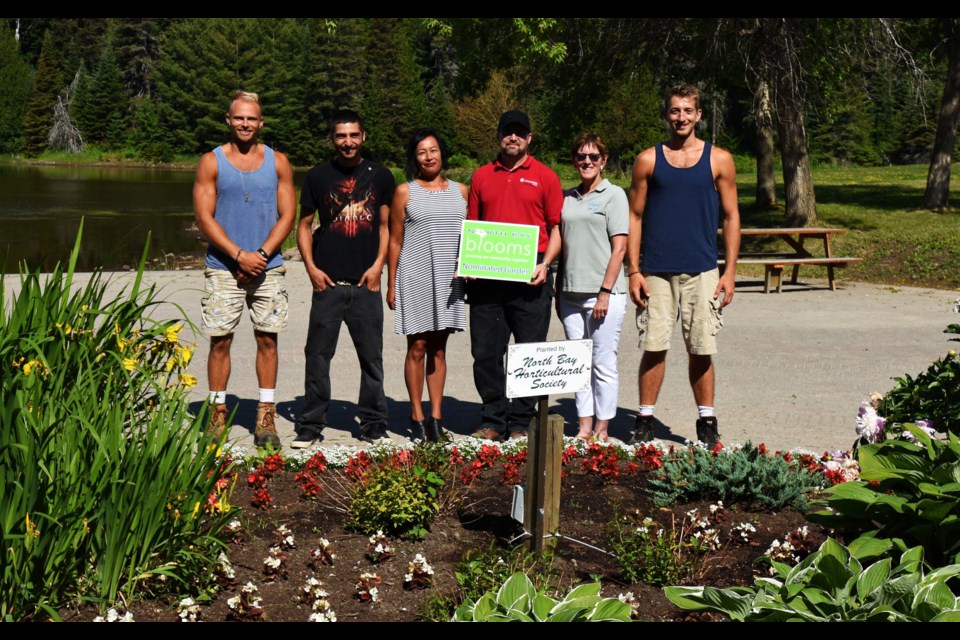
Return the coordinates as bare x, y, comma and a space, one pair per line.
576, 313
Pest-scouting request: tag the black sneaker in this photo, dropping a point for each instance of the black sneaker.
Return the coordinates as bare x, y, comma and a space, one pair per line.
306, 438
642, 431
707, 431
373, 433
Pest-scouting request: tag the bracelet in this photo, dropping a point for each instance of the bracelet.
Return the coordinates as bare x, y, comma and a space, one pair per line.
605, 290
237, 257
263, 253
634, 273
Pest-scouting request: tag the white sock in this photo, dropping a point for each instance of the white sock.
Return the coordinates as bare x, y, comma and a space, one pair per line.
706, 412
218, 397
646, 410
267, 395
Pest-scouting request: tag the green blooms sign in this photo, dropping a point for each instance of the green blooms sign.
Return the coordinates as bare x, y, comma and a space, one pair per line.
498, 250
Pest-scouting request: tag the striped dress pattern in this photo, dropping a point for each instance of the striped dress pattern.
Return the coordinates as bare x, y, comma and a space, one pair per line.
429, 297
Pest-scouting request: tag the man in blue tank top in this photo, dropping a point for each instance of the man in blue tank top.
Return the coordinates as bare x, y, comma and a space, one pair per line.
245, 206
677, 193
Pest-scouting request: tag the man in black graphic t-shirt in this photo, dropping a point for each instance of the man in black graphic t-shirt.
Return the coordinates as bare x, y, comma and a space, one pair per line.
343, 236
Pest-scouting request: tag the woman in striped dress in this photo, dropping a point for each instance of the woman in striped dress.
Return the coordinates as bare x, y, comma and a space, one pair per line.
425, 220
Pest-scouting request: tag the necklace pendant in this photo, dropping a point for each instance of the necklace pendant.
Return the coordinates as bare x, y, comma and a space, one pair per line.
246, 197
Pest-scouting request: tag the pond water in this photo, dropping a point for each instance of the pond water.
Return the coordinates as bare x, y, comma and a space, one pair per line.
41, 208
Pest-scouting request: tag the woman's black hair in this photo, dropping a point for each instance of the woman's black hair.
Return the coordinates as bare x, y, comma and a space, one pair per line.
419, 136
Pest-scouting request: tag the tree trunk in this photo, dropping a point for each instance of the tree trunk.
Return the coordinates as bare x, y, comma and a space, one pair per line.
784, 65
766, 178
938, 177
801, 205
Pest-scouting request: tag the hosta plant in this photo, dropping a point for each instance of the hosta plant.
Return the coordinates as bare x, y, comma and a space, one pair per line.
907, 494
831, 585
517, 600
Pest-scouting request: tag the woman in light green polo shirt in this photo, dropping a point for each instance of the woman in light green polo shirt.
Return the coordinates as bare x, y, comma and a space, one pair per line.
591, 293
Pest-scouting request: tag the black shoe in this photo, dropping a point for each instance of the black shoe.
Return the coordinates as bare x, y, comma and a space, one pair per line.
707, 431
642, 431
373, 433
306, 437
435, 431
418, 430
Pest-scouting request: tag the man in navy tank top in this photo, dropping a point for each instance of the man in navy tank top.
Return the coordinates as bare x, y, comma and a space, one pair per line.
245, 206
678, 191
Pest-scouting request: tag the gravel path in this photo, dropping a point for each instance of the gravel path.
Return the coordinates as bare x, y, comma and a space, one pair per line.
791, 371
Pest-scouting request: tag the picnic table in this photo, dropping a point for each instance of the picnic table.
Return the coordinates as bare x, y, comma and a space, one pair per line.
774, 262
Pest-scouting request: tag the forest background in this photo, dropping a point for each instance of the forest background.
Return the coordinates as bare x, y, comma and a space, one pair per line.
781, 94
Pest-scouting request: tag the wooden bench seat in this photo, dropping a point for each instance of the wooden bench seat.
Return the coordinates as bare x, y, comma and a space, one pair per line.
774, 264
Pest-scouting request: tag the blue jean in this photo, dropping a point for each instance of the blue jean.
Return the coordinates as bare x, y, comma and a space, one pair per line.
498, 309
362, 311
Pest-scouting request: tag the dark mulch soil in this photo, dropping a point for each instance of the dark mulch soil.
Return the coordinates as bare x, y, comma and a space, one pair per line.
482, 519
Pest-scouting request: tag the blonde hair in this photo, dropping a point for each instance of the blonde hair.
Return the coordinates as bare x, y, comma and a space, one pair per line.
248, 96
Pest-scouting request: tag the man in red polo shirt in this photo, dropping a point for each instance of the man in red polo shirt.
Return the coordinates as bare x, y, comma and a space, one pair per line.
513, 188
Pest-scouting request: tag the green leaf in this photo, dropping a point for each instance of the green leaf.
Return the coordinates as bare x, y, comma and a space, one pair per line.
611, 610
910, 560
587, 589
517, 587
937, 595
833, 573
572, 614
869, 546
952, 615
736, 606
519, 615
875, 575
897, 589
687, 598
542, 605
484, 607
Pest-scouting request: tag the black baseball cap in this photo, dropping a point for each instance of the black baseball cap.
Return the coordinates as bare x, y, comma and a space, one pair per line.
514, 117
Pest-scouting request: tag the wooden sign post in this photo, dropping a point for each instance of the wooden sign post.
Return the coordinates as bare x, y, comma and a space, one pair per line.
532, 370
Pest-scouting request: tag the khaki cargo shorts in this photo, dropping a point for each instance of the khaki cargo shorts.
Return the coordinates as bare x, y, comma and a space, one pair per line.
266, 296
689, 298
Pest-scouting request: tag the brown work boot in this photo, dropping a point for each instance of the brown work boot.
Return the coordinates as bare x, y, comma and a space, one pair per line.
266, 430
218, 420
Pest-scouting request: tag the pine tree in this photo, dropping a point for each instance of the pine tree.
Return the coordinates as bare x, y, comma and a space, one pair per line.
336, 72
101, 105
78, 40
278, 78
148, 136
395, 103
16, 78
199, 69
137, 48
47, 82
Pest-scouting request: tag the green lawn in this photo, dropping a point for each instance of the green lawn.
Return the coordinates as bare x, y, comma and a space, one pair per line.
899, 243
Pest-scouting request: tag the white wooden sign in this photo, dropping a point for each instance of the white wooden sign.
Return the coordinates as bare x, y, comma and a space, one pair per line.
545, 368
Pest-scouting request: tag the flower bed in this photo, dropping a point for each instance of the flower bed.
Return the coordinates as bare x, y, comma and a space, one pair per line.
369, 576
